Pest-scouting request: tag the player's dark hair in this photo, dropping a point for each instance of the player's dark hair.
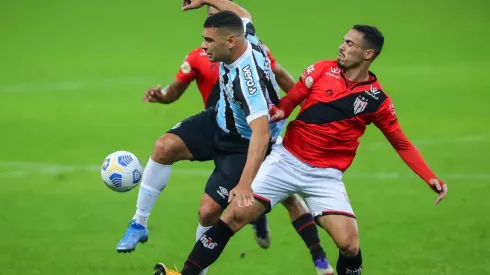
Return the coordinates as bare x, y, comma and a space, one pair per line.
373, 38
225, 20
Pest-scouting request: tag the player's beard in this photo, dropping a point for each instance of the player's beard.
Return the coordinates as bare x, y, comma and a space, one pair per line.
340, 64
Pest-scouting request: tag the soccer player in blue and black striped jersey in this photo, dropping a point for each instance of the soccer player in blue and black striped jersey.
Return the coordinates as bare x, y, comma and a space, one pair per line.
239, 131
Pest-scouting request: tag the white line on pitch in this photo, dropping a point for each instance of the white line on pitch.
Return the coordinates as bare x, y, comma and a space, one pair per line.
24, 169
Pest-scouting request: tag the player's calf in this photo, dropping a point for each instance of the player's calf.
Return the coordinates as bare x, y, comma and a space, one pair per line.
210, 246
304, 224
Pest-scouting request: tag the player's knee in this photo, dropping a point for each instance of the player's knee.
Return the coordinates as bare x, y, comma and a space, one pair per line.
349, 244
168, 149
209, 214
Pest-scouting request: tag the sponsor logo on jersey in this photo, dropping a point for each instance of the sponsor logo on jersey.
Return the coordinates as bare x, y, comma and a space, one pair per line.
208, 242
334, 72
249, 80
373, 92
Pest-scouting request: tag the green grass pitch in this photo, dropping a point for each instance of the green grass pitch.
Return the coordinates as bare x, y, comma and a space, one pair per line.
72, 77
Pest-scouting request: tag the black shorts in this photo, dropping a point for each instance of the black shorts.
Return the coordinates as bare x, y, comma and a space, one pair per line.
207, 141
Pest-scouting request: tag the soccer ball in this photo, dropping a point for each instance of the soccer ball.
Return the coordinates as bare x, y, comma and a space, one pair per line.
121, 171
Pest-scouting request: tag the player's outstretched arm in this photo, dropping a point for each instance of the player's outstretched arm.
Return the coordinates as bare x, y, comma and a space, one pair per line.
284, 79
287, 103
385, 119
167, 95
413, 158
221, 5
257, 149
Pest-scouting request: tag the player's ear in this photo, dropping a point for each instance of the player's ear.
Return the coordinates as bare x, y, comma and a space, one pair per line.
368, 54
231, 39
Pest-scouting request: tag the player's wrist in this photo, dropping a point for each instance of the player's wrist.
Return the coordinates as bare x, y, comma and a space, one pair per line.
164, 91
207, 2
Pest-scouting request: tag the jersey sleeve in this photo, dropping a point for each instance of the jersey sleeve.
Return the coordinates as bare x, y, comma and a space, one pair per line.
310, 77
385, 118
250, 93
271, 58
187, 72
250, 33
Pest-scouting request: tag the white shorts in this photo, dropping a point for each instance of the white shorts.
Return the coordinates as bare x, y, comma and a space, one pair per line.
282, 174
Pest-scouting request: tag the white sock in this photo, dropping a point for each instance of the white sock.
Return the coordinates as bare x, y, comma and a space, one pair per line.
199, 232
155, 178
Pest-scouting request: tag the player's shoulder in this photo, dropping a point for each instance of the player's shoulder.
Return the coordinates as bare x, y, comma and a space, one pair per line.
196, 53
376, 85
323, 64
375, 91
315, 69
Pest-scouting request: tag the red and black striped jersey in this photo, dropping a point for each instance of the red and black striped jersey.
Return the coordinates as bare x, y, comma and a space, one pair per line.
334, 116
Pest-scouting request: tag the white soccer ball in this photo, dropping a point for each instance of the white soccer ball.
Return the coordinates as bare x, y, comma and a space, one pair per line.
121, 171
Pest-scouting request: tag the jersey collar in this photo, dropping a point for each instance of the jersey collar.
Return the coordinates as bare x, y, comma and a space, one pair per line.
234, 65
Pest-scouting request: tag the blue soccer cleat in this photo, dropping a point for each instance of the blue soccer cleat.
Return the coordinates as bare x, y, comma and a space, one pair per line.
262, 234
136, 233
323, 267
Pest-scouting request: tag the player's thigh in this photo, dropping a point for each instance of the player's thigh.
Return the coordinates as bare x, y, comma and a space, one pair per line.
197, 135
274, 181
226, 175
295, 206
327, 199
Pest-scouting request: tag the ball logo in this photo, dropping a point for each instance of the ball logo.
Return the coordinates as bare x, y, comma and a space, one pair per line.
136, 176
124, 160
106, 164
116, 180
249, 80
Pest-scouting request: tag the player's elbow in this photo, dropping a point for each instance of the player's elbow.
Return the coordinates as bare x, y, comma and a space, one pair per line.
264, 135
245, 14
277, 72
261, 130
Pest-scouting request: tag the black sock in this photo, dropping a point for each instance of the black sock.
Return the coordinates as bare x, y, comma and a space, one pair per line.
349, 265
208, 248
306, 228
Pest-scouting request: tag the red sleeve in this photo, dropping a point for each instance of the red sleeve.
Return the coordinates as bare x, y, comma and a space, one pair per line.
302, 89
187, 72
293, 98
272, 59
410, 155
385, 118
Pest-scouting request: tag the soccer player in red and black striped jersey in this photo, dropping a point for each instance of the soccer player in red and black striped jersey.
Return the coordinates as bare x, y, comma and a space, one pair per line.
341, 97
196, 66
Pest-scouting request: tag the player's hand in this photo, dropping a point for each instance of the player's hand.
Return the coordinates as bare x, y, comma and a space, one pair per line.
192, 4
440, 188
153, 94
242, 194
275, 113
